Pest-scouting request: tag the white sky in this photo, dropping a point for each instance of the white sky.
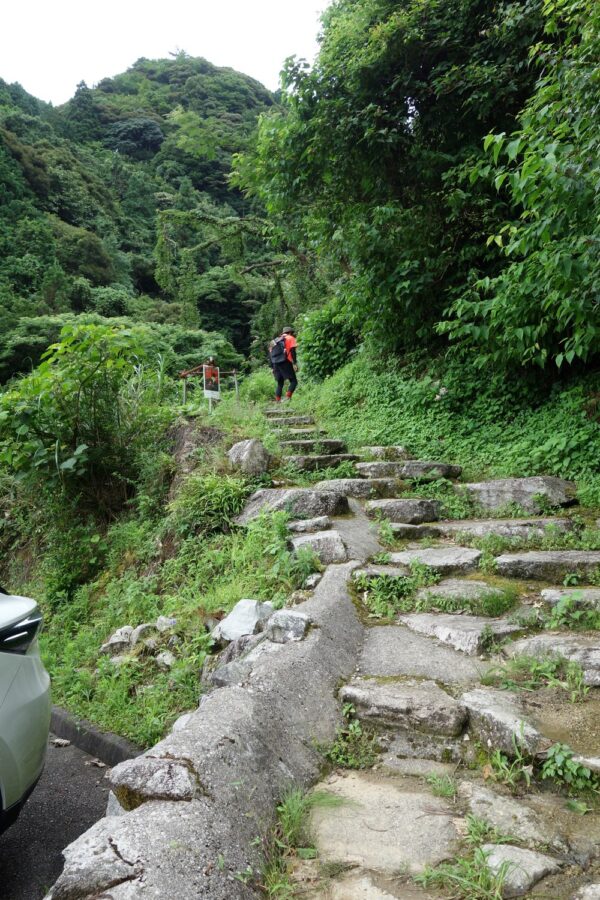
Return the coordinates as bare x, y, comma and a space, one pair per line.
48, 46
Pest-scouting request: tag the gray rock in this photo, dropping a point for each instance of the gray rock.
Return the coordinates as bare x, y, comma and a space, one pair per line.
418, 745
583, 598
411, 512
361, 887
182, 722
363, 488
524, 492
302, 502
548, 565
312, 581
519, 528
380, 469
459, 589
394, 650
590, 762
250, 457
322, 461
119, 642
442, 560
579, 648
305, 526
418, 468
375, 571
469, 634
511, 817
419, 705
497, 719
314, 445
240, 647
113, 807
414, 532
327, 545
287, 625
394, 452
381, 826
142, 632
164, 623
526, 867
246, 617
119, 660
236, 672
165, 660
136, 781
589, 892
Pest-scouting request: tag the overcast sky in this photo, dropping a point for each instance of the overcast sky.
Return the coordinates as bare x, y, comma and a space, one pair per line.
48, 46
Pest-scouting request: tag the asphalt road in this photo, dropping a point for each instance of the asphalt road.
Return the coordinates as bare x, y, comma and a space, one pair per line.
70, 796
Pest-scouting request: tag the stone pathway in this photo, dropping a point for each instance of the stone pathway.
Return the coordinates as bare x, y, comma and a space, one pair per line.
418, 683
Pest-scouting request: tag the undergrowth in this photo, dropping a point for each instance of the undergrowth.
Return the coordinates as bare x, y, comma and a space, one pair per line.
526, 673
355, 746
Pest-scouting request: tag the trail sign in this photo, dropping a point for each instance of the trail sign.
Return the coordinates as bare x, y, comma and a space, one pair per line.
212, 382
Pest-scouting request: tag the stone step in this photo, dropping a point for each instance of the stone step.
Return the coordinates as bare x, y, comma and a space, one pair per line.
580, 648
286, 421
530, 494
394, 650
279, 411
409, 705
459, 589
582, 598
411, 512
430, 471
469, 634
414, 532
328, 546
443, 560
315, 445
519, 528
306, 526
382, 825
312, 463
376, 571
387, 469
394, 452
309, 433
297, 501
497, 719
549, 565
363, 488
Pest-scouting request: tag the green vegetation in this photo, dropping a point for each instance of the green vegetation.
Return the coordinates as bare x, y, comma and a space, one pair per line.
355, 746
560, 767
481, 832
442, 786
469, 877
526, 673
570, 613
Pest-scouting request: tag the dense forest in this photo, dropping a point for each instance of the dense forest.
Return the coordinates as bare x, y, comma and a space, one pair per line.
422, 203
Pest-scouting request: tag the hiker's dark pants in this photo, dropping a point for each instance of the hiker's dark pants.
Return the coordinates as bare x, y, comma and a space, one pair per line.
285, 372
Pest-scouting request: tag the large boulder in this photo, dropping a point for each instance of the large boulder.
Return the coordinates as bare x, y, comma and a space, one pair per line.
530, 494
250, 457
302, 502
246, 617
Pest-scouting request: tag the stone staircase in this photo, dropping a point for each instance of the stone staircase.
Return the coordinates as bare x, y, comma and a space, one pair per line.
418, 684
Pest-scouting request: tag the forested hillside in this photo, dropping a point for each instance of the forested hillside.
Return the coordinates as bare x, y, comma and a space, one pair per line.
112, 205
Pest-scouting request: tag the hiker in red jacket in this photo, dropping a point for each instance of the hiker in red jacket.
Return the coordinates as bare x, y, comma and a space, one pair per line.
282, 356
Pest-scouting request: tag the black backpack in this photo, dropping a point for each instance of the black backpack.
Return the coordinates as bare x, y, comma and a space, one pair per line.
277, 351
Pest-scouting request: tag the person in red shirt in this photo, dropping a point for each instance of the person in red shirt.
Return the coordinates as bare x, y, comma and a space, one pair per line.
282, 356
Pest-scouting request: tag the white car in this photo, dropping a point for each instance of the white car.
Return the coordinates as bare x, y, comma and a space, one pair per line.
24, 704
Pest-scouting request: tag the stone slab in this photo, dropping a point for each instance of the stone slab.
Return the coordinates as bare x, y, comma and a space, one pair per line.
548, 565
363, 488
419, 705
321, 461
314, 445
246, 617
443, 560
518, 528
305, 526
381, 826
414, 532
524, 492
393, 650
526, 867
328, 546
287, 421
297, 501
391, 453
469, 634
588, 892
583, 598
387, 469
430, 471
459, 589
358, 533
376, 571
579, 648
497, 719
411, 512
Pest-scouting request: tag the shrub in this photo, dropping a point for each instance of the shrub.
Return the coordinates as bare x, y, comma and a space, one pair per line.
327, 340
208, 503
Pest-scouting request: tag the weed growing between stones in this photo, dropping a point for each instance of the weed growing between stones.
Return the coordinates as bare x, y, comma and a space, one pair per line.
514, 772
468, 877
526, 673
481, 832
569, 613
456, 504
561, 767
290, 473
442, 786
492, 604
355, 746
385, 596
289, 839
385, 533
552, 538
